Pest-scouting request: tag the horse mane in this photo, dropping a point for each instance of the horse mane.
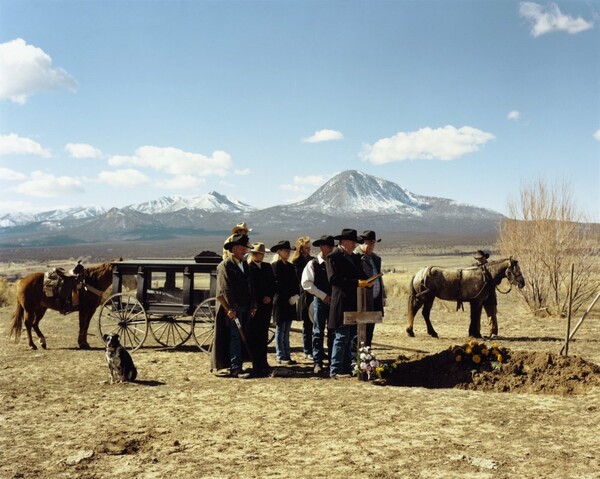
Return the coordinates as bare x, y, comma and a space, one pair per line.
94, 273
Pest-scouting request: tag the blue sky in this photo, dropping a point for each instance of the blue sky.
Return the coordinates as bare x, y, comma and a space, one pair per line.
116, 102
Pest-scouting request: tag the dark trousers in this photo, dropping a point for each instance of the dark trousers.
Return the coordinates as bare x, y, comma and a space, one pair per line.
258, 337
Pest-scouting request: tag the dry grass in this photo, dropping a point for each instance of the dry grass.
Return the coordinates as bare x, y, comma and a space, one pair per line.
7, 293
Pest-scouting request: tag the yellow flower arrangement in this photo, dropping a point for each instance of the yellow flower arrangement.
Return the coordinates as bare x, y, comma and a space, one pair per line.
479, 354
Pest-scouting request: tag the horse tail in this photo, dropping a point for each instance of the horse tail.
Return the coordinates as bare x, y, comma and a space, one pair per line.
16, 325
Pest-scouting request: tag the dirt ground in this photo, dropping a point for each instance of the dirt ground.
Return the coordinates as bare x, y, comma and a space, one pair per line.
60, 418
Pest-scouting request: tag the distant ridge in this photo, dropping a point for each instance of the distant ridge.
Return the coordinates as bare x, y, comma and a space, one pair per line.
350, 199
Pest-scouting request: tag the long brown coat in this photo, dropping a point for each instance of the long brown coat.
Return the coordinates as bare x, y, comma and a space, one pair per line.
235, 287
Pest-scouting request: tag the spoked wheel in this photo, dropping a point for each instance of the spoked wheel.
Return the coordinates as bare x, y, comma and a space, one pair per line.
272, 327
204, 324
171, 331
124, 315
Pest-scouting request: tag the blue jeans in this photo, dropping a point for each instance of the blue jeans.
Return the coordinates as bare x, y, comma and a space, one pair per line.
235, 340
307, 334
321, 311
282, 340
343, 352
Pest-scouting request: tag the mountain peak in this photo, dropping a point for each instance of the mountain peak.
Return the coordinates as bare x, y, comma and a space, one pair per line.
353, 191
212, 201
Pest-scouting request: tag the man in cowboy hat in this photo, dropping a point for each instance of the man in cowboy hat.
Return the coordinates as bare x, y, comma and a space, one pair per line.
235, 301
263, 284
491, 303
315, 282
345, 274
241, 228
371, 264
481, 257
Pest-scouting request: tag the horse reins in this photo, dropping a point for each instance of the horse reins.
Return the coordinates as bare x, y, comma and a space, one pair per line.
91, 289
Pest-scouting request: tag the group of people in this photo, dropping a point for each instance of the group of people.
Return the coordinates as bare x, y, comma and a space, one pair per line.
295, 286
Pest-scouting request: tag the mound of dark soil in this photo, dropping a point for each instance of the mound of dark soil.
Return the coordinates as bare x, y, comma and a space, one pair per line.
525, 372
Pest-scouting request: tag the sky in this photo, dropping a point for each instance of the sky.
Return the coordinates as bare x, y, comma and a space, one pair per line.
110, 103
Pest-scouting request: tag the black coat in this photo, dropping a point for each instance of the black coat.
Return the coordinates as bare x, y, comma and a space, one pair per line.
305, 298
343, 272
373, 304
286, 286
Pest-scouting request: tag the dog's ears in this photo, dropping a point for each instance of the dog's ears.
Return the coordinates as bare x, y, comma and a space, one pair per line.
105, 337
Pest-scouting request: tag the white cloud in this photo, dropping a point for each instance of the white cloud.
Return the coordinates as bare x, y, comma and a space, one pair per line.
82, 150
514, 115
226, 184
8, 174
549, 18
12, 144
597, 135
47, 185
181, 182
447, 143
244, 172
323, 135
177, 162
128, 178
26, 69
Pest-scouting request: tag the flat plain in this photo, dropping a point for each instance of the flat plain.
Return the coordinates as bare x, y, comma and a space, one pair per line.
60, 418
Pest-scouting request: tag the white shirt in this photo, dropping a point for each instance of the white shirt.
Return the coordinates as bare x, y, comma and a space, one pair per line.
308, 279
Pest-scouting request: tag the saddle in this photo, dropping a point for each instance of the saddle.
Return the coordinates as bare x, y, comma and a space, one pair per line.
64, 287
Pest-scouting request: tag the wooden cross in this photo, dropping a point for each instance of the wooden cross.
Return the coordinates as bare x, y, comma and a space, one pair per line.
362, 317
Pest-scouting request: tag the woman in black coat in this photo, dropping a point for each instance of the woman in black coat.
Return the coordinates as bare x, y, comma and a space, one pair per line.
300, 258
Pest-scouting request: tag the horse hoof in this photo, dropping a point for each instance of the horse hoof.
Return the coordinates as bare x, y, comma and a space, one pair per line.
44, 346
434, 335
33, 347
85, 346
410, 333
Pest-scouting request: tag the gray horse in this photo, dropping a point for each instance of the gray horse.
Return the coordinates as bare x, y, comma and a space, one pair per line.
473, 285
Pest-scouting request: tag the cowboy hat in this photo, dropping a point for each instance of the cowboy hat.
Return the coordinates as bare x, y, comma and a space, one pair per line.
257, 248
368, 235
281, 245
236, 240
480, 254
240, 227
347, 234
324, 240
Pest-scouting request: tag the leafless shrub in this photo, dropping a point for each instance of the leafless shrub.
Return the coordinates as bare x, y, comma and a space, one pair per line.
6, 293
546, 232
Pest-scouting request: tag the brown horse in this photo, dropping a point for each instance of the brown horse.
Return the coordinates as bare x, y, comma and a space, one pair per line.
32, 303
473, 285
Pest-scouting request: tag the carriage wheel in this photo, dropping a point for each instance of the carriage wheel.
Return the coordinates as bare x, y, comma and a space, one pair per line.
124, 315
204, 324
272, 327
171, 331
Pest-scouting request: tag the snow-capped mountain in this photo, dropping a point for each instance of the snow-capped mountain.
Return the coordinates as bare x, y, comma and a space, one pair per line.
351, 199
355, 192
74, 213
211, 201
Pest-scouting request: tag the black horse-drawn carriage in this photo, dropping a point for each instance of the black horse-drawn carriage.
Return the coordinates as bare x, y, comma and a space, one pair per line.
174, 299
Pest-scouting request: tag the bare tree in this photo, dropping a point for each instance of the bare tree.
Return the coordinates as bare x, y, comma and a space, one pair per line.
546, 232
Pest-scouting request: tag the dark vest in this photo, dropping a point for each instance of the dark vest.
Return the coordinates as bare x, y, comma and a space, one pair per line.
321, 280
